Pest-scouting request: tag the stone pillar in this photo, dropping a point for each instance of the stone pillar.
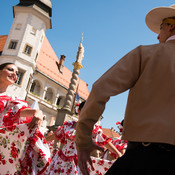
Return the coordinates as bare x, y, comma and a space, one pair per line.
77, 66
56, 98
30, 83
65, 113
44, 92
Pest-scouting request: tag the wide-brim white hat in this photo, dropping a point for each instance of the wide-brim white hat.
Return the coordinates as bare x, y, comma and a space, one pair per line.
155, 17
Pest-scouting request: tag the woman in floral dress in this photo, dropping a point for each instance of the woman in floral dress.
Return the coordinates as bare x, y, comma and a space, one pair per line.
65, 160
120, 144
23, 149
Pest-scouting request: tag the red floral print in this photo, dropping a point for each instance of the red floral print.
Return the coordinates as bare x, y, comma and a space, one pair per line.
65, 161
1, 106
14, 152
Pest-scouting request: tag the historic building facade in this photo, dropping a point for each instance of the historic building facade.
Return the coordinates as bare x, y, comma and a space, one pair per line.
43, 79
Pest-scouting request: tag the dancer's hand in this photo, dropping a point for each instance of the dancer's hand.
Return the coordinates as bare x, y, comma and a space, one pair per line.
35, 122
37, 117
84, 157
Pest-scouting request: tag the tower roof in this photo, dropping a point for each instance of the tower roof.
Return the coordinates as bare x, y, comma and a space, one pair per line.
46, 5
47, 2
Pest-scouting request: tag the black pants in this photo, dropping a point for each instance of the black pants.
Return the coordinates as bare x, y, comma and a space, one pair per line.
145, 160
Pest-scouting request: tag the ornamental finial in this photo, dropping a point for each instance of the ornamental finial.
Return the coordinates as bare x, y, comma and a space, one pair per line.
81, 38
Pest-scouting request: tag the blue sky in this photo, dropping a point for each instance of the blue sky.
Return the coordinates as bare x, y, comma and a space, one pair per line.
111, 29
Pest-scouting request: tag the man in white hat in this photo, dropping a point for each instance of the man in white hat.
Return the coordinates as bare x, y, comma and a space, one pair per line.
149, 74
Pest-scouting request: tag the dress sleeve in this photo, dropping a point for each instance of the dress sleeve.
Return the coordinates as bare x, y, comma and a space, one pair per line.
60, 135
66, 131
98, 137
70, 131
12, 111
18, 107
120, 144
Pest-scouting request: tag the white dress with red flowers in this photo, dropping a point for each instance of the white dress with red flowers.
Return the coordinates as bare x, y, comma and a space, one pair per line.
100, 165
119, 144
65, 160
22, 151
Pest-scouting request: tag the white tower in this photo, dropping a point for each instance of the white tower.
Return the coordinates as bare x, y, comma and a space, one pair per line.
31, 20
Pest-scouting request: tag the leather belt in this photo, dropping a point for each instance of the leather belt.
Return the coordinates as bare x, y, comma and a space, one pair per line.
156, 146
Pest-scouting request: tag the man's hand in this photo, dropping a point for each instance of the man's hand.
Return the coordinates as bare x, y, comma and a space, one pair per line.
84, 157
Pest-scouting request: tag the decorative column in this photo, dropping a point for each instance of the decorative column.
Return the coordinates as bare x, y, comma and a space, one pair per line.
65, 113
72, 86
30, 82
44, 93
56, 98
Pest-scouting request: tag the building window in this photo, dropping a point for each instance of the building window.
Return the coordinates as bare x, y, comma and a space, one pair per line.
20, 77
28, 49
18, 26
49, 95
13, 44
58, 101
35, 88
33, 31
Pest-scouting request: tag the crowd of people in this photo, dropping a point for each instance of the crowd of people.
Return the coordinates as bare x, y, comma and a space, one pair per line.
26, 149
65, 160
147, 141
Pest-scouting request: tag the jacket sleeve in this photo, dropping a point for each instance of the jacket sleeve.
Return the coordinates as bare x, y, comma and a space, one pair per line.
120, 77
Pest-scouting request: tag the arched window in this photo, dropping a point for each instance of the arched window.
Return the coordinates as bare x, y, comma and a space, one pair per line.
49, 95
35, 88
59, 101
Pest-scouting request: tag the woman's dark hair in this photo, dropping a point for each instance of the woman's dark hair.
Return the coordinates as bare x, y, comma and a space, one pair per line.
81, 105
4, 65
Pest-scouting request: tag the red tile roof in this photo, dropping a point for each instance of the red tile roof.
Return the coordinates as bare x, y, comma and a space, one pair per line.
3, 39
110, 133
47, 63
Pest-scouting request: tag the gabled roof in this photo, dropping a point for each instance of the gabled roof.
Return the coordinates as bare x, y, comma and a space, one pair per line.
110, 133
47, 63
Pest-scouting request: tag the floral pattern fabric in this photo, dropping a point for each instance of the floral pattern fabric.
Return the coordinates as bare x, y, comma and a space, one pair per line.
65, 160
10, 108
22, 151
119, 144
98, 137
101, 166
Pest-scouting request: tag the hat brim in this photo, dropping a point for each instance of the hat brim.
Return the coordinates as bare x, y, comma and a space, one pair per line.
155, 17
